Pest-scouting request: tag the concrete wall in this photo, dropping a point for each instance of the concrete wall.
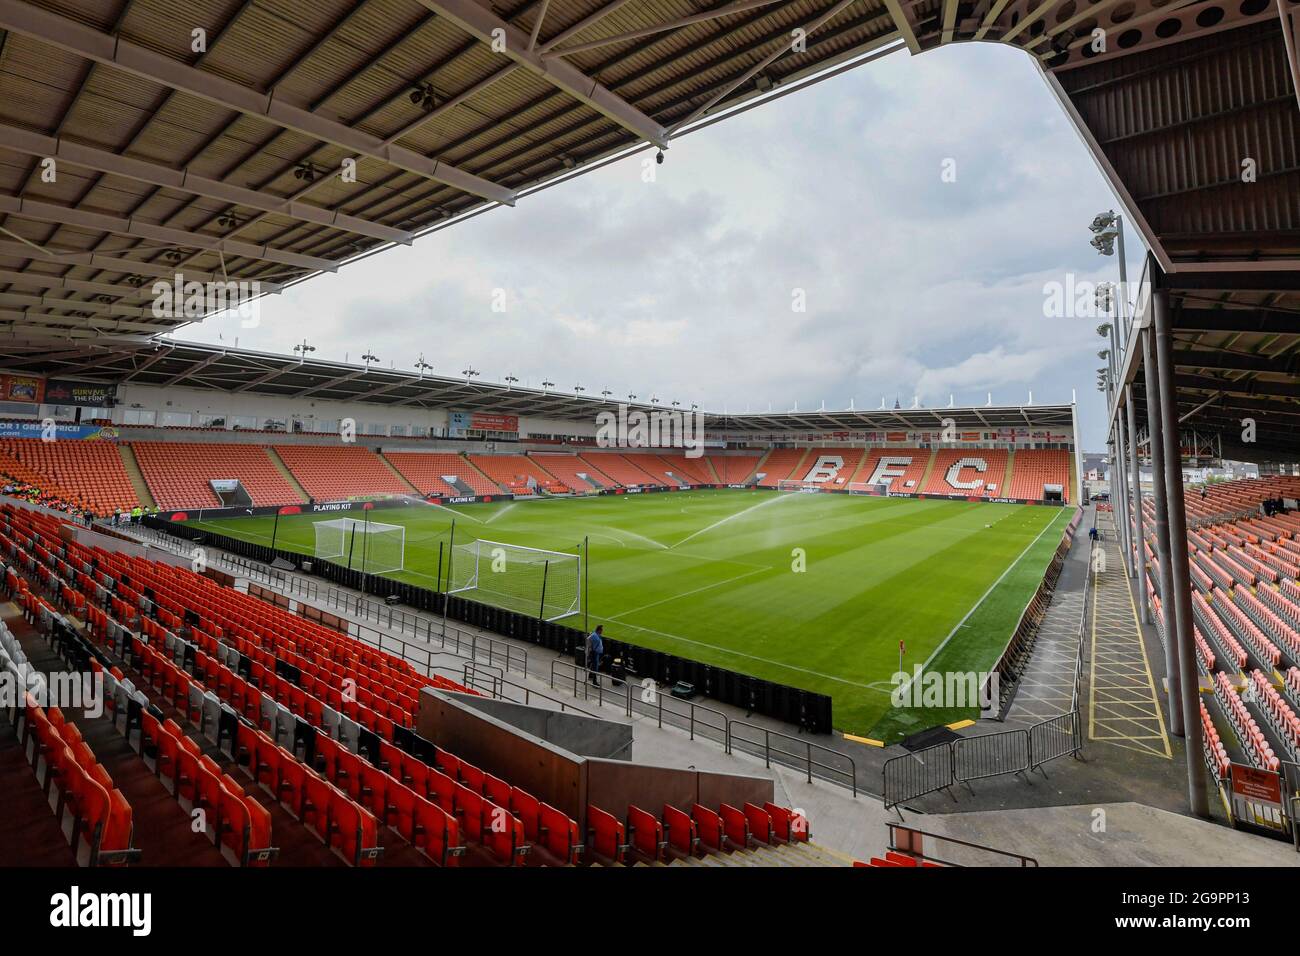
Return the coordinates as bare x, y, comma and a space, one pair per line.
569, 781
549, 773
578, 734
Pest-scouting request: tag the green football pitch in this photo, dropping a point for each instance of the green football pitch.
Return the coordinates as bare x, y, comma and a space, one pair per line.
814, 591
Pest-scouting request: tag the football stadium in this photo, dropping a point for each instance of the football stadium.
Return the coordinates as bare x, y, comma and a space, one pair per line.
263, 608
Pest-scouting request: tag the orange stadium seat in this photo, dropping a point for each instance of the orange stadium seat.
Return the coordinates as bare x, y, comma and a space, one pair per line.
512, 472
780, 465
620, 469
426, 471
88, 473
336, 472
733, 469
987, 466
569, 469
1033, 468
911, 462
669, 468
179, 473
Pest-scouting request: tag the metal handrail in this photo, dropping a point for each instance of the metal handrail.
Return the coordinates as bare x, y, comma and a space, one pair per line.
688, 717
808, 762
1025, 861
516, 659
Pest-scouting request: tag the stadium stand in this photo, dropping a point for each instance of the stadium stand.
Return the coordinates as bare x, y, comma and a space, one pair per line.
427, 471
569, 469
513, 474
179, 474
669, 469
850, 458
912, 462
734, 469
620, 469
1033, 468
985, 465
1246, 609
349, 771
88, 474
781, 464
334, 472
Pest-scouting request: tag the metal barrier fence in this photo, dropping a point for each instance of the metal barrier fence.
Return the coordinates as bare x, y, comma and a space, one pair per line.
913, 775
990, 755
1056, 737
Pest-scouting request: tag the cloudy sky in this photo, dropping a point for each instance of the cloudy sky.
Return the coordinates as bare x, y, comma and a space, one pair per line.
686, 287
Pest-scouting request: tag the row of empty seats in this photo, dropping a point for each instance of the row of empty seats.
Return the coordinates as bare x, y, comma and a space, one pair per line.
429, 472
337, 472
87, 474
180, 474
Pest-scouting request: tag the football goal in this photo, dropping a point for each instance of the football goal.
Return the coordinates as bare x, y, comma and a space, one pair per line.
792, 484
531, 581
370, 546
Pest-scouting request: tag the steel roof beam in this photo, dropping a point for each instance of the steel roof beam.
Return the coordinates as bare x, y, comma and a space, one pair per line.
105, 161
41, 280
49, 212
93, 326
94, 260
86, 41
480, 22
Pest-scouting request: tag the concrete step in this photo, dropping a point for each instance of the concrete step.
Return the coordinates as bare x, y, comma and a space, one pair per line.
285, 473
132, 467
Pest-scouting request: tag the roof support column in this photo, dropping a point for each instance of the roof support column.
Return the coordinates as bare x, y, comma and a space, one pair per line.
1121, 472
1165, 580
1135, 483
1181, 597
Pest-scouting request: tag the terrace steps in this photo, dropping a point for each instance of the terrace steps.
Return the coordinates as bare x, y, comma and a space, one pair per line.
132, 468
285, 473
1004, 488
929, 467
397, 474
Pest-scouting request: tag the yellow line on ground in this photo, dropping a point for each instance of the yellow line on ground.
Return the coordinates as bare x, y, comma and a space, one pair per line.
864, 740
960, 724
1151, 680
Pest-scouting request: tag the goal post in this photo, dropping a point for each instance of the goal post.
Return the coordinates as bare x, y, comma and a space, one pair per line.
533, 581
371, 546
794, 484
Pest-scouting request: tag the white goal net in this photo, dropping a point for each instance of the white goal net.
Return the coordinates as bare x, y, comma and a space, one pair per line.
792, 484
534, 581
370, 546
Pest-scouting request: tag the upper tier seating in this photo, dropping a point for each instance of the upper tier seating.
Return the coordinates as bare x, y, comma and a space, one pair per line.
941, 482
179, 474
512, 472
426, 471
1033, 468
336, 472
89, 473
